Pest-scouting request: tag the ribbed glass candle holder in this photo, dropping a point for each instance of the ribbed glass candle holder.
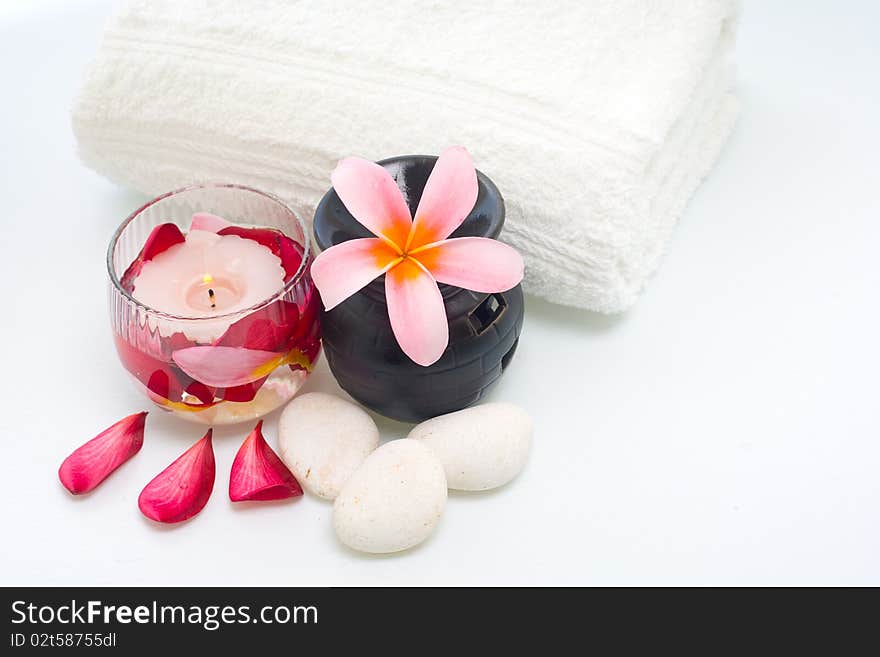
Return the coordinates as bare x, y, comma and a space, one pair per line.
147, 338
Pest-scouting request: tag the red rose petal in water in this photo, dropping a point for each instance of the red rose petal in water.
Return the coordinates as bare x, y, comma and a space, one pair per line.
243, 393
275, 328
92, 463
309, 325
289, 252
310, 353
253, 332
258, 474
201, 392
174, 342
268, 329
182, 489
162, 237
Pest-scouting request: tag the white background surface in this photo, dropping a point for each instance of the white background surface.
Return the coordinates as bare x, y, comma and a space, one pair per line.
725, 431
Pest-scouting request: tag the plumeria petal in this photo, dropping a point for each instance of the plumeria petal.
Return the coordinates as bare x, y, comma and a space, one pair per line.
182, 489
289, 252
342, 270
369, 192
447, 199
173, 342
161, 238
209, 222
474, 263
93, 462
226, 367
416, 311
258, 474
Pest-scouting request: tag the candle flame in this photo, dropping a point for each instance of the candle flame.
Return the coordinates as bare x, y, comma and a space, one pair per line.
207, 278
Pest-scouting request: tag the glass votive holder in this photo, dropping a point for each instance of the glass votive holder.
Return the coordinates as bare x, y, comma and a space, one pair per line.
279, 337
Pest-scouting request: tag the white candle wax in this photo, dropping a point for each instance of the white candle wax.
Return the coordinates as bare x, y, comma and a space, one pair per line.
205, 276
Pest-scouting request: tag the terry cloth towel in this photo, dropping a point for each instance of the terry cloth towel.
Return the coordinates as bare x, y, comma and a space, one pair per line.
596, 118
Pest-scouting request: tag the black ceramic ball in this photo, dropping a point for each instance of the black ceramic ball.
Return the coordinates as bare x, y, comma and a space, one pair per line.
361, 349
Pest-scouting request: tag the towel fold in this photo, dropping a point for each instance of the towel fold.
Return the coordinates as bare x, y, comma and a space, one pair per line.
596, 118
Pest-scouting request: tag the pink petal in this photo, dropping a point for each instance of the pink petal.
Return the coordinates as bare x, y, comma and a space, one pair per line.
448, 198
209, 222
342, 270
161, 238
369, 192
226, 367
258, 474
416, 311
289, 252
182, 489
474, 263
92, 463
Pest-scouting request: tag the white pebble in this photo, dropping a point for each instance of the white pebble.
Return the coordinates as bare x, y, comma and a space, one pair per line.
481, 447
393, 501
323, 439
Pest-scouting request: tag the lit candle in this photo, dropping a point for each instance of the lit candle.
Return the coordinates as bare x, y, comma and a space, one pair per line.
205, 276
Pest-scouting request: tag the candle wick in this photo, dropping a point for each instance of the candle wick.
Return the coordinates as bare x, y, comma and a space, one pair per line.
211, 297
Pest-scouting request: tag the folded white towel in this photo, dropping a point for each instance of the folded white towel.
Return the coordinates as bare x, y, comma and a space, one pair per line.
596, 118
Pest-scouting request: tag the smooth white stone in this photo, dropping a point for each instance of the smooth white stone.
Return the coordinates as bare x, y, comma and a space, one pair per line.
393, 501
481, 447
323, 439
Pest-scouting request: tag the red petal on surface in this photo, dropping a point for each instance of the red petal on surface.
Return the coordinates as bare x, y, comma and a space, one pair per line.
182, 489
208, 222
289, 252
92, 463
258, 474
162, 237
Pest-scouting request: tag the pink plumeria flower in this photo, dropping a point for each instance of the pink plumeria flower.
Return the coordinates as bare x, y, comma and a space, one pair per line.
414, 254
